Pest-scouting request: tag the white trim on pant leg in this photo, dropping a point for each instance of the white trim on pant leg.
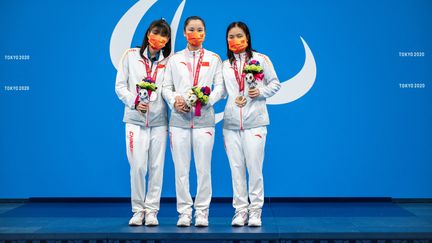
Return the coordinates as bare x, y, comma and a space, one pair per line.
137, 140
254, 141
181, 153
235, 154
155, 167
203, 140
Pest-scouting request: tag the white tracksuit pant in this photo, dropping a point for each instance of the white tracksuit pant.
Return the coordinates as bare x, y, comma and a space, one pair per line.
146, 147
245, 150
201, 140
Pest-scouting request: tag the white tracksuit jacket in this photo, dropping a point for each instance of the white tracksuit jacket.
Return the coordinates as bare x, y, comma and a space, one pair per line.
254, 113
189, 132
146, 133
245, 132
178, 82
131, 71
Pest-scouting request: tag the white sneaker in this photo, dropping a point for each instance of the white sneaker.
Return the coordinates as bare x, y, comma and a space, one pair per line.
201, 218
137, 219
255, 218
184, 220
240, 218
151, 218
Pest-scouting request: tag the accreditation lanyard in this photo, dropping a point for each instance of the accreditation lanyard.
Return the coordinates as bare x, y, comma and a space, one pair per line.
198, 67
149, 69
239, 78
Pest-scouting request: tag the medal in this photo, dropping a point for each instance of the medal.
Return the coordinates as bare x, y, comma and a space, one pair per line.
240, 99
151, 78
240, 80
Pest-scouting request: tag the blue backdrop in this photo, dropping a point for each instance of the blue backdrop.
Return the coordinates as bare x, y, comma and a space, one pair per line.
363, 129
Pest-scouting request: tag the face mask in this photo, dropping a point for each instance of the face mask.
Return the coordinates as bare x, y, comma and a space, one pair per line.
195, 38
157, 42
237, 45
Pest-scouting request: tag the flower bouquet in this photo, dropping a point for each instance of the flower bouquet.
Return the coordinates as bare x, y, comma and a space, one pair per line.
252, 73
144, 90
198, 96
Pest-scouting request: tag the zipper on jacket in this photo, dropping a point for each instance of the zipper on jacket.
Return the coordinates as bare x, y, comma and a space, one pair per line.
193, 66
148, 106
241, 119
241, 108
193, 79
147, 115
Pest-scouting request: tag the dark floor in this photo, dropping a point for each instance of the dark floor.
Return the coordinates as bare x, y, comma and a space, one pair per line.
281, 221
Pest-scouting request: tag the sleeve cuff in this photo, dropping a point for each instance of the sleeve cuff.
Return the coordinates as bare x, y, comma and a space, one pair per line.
262, 92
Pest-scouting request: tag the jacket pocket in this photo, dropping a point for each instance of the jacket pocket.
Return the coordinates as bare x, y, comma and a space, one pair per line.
133, 115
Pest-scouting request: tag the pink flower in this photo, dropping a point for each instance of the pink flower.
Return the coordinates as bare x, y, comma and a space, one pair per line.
259, 76
207, 90
254, 62
149, 79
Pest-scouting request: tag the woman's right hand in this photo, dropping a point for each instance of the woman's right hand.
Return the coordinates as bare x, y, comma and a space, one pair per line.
240, 101
180, 104
142, 107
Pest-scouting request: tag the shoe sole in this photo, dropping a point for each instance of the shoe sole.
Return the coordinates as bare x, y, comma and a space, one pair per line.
135, 224
254, 225
152, 224
183, 225
238, 225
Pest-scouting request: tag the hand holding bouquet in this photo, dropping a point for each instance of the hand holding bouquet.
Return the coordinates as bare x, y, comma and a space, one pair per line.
144, 91
198, 96
252, 73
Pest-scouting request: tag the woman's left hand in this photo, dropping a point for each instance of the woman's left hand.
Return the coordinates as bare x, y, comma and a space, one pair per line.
254, 93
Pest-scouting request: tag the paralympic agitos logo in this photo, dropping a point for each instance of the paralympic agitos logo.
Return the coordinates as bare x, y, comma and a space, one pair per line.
121, 38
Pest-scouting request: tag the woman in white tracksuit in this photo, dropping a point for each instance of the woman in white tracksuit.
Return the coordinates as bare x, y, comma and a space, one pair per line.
146, 119
245, 121
193, 66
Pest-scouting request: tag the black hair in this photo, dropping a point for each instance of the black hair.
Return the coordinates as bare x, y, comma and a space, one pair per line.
164, 30
244, 27
188, 19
